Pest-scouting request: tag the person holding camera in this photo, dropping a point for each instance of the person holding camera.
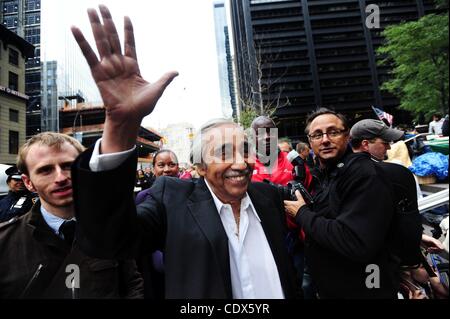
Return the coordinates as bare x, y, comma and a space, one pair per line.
347, 225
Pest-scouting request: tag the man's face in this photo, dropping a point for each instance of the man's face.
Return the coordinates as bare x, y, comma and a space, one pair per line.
327, 148
378, 148
16, 185
228, 162
305, 153
166, 165
49, 174
265, 135
284, 147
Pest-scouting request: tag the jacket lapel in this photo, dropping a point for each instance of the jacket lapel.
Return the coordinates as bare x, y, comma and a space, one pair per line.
201, 206
42, 232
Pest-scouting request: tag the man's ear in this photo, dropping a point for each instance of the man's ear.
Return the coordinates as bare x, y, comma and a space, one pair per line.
201, 169
28, 183
365, 145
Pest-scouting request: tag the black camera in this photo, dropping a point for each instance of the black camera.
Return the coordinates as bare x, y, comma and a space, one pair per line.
288, 192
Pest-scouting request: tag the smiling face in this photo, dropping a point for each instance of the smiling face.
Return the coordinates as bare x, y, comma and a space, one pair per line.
49, 174
166, 165
328, 149
228, 164
16, 185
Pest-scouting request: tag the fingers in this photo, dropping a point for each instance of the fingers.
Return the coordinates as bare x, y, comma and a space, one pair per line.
100, 36
88, 53
130, 45
110, 30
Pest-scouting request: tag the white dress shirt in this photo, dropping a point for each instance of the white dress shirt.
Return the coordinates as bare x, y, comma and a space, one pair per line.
254, 273
53, 221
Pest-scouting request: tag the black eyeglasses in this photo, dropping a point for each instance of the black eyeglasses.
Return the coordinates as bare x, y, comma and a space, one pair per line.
332, 134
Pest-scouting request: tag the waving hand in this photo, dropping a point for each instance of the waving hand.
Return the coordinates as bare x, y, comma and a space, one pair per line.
126, 95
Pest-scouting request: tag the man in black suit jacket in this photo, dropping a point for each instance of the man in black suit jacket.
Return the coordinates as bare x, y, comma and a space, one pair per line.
222, 236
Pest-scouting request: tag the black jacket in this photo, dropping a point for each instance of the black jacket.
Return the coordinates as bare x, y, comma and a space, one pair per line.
16, 204
27, 242
344, 241
179, 218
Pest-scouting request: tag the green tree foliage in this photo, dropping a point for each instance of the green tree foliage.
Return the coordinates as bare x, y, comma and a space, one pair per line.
418, 51
247, 116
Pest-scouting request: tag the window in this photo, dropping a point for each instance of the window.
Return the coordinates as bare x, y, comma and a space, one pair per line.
13, 81
13, 142
33, 5
14, 115
32, 18
13, 57
10, 6
33, 35
10, 21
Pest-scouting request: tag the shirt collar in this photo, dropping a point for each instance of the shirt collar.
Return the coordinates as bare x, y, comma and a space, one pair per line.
245, 202
53, 221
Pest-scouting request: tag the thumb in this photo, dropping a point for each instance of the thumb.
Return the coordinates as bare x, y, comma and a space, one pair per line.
299, 195
166, 79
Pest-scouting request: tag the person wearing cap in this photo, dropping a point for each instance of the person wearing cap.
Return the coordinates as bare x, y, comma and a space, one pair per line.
373, 137
19, 199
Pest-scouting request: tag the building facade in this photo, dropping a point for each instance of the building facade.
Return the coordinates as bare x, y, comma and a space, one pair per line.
24, 18
179, 138
296, 55
14, 51
224, 60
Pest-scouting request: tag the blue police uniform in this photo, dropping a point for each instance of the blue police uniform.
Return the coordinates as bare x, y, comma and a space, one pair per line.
16, 204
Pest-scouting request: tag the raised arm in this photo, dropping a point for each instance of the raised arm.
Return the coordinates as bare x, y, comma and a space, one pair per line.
127, 97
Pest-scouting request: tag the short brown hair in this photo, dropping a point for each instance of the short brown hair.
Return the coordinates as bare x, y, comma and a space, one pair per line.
49, 139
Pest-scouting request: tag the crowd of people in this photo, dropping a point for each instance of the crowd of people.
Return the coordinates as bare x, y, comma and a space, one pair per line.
253, 217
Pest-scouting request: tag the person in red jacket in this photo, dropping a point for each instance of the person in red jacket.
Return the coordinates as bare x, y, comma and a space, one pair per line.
271, 163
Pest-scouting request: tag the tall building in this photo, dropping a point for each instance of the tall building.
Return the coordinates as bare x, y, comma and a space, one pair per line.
224, 59
14, 51
24, 18
67, 80
58, 74
179, 138
296, 55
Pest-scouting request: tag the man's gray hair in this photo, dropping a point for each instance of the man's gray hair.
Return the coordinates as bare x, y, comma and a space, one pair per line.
198, 148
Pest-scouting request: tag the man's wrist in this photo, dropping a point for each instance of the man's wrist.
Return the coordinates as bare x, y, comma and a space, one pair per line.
119, 137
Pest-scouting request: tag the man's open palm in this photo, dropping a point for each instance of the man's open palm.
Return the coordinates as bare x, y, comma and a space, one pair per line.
125, 93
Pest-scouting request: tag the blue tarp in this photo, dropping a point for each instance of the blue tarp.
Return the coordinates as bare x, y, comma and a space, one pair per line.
431, 163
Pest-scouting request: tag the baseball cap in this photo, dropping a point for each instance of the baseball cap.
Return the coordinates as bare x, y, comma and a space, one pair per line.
369, 129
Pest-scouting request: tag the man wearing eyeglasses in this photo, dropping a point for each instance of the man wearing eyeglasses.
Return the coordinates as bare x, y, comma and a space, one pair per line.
346, 227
